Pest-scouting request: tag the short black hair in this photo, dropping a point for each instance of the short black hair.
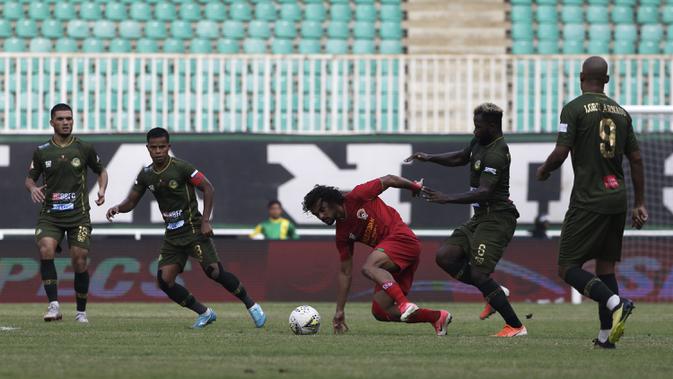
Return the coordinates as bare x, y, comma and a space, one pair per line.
490, 113
158, 133
326, 193
274, 202
60, 107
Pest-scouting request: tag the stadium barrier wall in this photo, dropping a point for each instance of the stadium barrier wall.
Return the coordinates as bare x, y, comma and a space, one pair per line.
302, 271
311, 94
248, 171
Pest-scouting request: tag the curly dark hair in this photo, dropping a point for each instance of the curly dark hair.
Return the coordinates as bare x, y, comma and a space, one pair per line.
331, 195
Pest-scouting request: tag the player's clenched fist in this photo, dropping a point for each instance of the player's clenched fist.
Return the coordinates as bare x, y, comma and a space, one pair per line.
111, 213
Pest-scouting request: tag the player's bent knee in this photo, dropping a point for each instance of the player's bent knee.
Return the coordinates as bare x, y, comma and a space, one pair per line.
163, 284
212, 271
479, 277
563, 270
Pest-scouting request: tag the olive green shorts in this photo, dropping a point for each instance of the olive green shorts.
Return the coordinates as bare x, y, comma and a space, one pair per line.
200, 248
79, 234
485, 237
587, 235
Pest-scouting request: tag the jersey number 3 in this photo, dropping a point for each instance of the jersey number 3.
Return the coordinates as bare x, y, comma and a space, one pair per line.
608, 135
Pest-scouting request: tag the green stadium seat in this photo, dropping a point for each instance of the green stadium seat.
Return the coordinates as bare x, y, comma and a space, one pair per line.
522, 47
573, 47
597, 14
120, 46
65, 45
572, 14
336, 46
393, 46
173, 46
309, 46
622, 15
240, 11
546, 2
90, 11
155, 29
141, 11
227, 46
391, 12
51, 29
190, 11
591, 2
200, 46
254, 46
598, 46
522, 31
651, 2
265, 11
5, 29
669, 33
38, 10
521, 13
667, 14
626, 32
364, 30
215, 11
290, 12
40, 45
130, 29
625, 2
364, 46
282, 46
366, 12
26, 28
600, 32
649, 47
548, 13
165, 11
259, 29
647, 14
12, 10
338, 29
145, 45
115, 11
181, 29
340, 12
285, 29
548, 32
391, 30
573, 32
651, 32
104, 29
547, 47
233, 29
668, 47
311, 29
93, 45
315, 12
624, 47
207, 29
64, 11
78, 29
14, 45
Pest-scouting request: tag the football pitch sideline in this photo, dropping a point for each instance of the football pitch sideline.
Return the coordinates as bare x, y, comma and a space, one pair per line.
131, 340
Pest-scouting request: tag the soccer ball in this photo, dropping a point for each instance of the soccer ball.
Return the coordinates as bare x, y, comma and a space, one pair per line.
304, 320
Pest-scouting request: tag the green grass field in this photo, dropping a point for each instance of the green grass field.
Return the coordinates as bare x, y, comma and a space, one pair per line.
155, 341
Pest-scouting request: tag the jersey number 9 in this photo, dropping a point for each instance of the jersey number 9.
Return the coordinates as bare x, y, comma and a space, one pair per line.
608, 135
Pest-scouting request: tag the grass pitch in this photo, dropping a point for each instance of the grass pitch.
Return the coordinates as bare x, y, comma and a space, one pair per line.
155, 341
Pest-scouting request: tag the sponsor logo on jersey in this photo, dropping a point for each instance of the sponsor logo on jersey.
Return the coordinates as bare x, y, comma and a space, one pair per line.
47, 164
151, 187
43, 146
563, 128
175, 225
477, 165
610, 182
63, 196
76, 162
173, 184
490, 170
362, 214
63, 207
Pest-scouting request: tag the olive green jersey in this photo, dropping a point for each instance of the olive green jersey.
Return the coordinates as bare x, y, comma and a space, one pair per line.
599, 132
490, 163
64, 169
173, 187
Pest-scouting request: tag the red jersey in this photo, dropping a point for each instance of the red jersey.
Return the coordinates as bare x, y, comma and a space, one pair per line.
368, 219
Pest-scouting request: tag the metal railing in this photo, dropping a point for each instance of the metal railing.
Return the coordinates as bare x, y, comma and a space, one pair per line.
310, 94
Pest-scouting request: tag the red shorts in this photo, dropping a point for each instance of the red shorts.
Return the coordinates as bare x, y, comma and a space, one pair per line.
405, 251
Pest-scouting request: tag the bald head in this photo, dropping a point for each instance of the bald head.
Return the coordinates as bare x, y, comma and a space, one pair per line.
594, 74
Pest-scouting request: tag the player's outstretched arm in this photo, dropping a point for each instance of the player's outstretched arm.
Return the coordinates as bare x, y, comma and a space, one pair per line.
344, 286
400, 182
639, 215
125, 206
483, 193
205, 186
553, 162
102, 186
36, 192
451, 159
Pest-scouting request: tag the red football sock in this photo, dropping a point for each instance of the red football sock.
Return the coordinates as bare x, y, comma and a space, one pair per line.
393, 290
424, 315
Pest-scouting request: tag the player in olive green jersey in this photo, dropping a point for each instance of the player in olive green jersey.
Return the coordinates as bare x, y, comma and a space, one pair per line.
276, 227
188, 233
63, 163
471, 253
598, 132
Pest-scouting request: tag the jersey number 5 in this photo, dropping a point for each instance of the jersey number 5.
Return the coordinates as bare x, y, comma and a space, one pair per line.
607, 131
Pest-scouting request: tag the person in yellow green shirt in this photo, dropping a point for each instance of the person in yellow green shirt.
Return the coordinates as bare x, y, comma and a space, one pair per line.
276, 227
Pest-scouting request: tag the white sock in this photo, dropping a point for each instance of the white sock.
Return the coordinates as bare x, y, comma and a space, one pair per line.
207, 312
505, 290
613, 302
54, 303
603, 335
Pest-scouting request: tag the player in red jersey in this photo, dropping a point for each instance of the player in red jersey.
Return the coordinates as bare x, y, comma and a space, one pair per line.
362, 216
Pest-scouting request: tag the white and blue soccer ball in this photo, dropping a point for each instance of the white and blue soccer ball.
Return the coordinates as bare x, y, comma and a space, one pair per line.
304, 320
